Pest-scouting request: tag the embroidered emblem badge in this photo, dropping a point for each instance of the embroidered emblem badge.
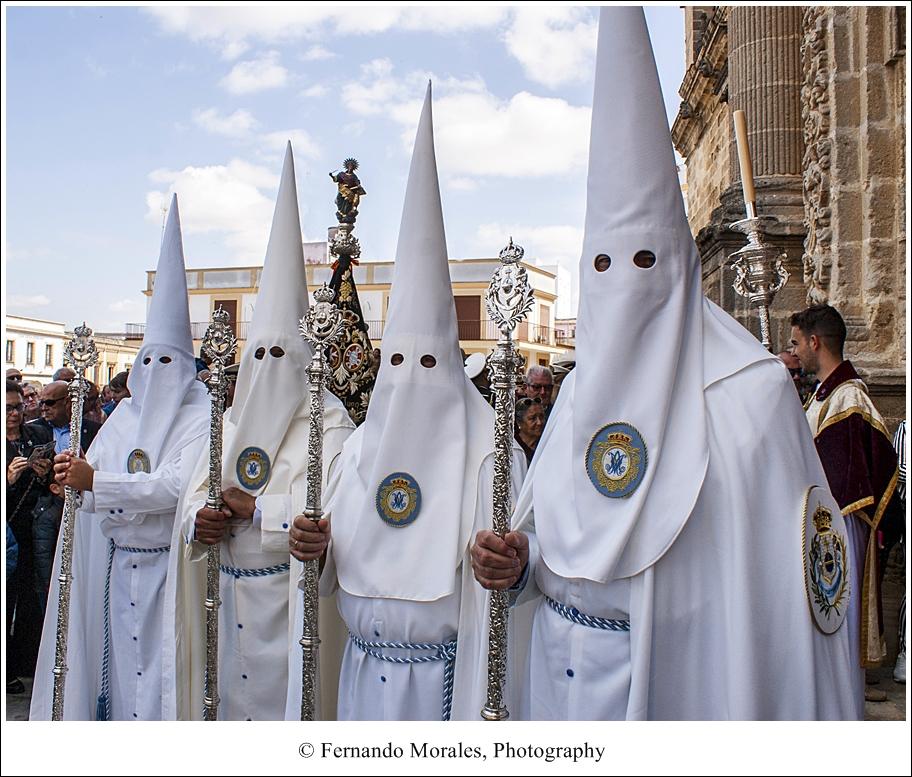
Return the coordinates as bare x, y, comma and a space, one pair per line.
354, 357
616, 460
253, 468
398, 499
826, 560
138, 461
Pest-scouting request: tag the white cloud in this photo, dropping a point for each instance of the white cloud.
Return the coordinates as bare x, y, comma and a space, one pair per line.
237, 125
554, 244
128, 305
559, 244
97, 70
222, 199
227, 25
477, 134
554, 44
315, 91
256, 75
27, 255
461, 184
315, 53
302, 143
232, 49
354, 128
452, 18
26, 301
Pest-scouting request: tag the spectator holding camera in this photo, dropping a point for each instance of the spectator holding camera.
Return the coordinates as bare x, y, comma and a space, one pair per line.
29, 453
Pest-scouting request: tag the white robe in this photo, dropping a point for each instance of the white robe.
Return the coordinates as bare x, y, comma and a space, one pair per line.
372, 689
135, 511
259, 622
720, 625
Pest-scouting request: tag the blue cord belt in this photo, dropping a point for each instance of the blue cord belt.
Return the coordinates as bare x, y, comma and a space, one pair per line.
442, 651
263, 572
575, 616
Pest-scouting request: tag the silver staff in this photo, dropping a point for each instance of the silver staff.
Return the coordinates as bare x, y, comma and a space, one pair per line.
508, 300
759, 273
80, 354
322, 326
219, 344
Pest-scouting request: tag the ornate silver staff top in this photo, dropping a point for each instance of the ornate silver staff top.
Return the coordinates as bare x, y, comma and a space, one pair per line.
80, 354
759, 272
508, 300
509, 296
219, 344
322, 326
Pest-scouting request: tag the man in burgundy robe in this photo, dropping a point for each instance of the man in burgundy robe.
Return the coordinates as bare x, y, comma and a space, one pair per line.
860, 463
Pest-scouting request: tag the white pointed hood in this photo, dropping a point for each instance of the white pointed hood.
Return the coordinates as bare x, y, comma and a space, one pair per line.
163, 377
416, 458
272, 379
629, 433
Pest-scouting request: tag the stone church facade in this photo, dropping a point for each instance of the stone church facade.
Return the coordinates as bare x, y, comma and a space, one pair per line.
824, 93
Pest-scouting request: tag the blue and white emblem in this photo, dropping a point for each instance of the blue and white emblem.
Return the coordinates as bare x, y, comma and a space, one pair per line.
826, 560
398, 499
253, 468
138, 461
616, 460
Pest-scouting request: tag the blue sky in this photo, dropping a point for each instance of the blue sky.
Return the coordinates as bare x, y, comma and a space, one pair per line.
110, 109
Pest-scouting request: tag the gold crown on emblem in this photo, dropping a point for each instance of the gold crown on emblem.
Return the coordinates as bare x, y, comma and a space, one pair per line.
399, 483
823, 518
619, 437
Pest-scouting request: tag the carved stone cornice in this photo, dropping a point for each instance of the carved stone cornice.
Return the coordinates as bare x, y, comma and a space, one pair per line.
705, 81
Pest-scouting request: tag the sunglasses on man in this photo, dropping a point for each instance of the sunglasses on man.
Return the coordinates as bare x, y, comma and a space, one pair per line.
50, 402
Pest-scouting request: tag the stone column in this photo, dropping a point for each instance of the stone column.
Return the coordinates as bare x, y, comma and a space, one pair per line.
764, 80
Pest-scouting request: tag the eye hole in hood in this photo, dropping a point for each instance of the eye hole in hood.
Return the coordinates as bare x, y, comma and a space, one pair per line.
277, 352
644, 259
602, 262
165, 359
428, 361
396, 359
259, 353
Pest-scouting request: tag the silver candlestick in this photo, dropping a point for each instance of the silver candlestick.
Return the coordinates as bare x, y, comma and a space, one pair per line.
759, 272
80, 354
322, 326
508, 300
219, 344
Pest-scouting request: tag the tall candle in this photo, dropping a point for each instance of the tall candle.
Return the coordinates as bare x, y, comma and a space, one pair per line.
744, 161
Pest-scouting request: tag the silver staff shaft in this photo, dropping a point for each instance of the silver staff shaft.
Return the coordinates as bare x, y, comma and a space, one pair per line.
508, 300
219, 344
321, 327
310, 638
80, 354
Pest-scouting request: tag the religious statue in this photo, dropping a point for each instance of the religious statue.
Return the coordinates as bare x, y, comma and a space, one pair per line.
350, 192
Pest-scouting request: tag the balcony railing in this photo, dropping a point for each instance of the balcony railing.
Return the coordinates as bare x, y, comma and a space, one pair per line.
487, 330
197, 330
537, 334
